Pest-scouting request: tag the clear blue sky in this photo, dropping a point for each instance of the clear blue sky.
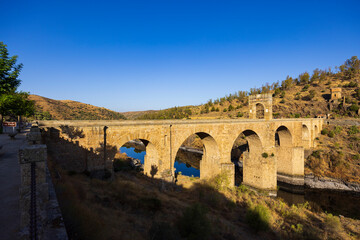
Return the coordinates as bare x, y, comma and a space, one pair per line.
139, 55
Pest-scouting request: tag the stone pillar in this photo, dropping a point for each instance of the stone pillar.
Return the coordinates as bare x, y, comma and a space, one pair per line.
36, 154
229, 170
291, 165
260, 172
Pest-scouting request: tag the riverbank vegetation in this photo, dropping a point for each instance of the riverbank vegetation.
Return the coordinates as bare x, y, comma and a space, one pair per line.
337, 154
135, 206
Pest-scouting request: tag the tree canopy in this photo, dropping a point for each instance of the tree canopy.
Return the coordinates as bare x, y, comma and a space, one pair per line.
9, 71
12, 103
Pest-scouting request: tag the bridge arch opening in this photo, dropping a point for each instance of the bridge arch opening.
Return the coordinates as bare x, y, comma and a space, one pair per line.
283, 145
305, 136
244, 153
139, 154
260, 111
198, 156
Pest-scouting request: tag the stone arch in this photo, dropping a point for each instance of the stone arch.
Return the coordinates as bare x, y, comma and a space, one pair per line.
259, 171
283, 144
241, 150
152, 156
210, 163
306, 136
265, 100
260, 111
290, 158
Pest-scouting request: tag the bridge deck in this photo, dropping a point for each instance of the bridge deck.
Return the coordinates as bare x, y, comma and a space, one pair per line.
89, 123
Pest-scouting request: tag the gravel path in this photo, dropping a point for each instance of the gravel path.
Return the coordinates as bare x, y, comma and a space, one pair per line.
9, 185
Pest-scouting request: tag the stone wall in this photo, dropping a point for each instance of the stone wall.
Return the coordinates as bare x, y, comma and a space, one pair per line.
35, 203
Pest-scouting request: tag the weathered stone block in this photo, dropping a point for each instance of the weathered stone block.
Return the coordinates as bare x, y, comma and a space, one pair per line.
33, 153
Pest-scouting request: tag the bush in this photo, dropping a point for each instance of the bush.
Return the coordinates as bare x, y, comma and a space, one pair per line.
240, 114
297, 115
120, 164
282, 101
331, 134
337, 129
325, 131
332, 223
265, 155
225, 110
353, 130
163, 231
194, 224
354, 107
151, 204
258, 218
316, 154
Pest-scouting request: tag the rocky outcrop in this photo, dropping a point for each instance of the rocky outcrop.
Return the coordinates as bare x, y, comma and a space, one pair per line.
315, 182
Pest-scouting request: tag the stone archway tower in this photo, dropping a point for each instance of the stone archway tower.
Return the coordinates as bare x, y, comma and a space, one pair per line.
265, 100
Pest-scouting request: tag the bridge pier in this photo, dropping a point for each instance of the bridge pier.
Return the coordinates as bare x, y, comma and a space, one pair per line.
259, 172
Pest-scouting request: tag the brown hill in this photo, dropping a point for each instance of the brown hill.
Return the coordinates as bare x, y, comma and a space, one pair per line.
47, 108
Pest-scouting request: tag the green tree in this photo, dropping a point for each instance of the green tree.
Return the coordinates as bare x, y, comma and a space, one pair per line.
12, 103
9, 71
304, 78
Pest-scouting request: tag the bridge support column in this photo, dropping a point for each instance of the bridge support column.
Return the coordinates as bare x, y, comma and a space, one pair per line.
291, 165
260, 172
229, 170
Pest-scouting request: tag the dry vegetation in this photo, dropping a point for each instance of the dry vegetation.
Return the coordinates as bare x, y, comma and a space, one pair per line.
337, 154
133, 206
47, 109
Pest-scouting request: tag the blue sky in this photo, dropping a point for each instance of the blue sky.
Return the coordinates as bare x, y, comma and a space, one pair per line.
139, 55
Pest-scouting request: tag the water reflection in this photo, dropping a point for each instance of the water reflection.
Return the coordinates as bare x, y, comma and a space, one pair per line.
188, 163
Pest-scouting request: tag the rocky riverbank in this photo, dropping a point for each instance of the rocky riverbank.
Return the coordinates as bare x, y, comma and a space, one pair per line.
324, 183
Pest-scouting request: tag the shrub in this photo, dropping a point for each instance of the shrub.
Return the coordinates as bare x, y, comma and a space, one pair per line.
240, 114
151, 204
230, 108
265, 155
297, 115
282, 101
325, 131
258, 218
120, 164
194, 224
316, 154
220, 181
354, 107
331, 134
163, 231
332, 223
225, 110
337, 129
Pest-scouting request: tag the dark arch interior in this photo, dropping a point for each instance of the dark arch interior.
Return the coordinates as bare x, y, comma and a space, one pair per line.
260, 111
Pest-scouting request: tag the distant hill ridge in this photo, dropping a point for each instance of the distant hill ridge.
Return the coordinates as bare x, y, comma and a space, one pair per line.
48, 109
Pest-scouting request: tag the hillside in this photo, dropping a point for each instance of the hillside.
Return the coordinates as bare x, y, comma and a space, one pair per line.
47, 109
307, 95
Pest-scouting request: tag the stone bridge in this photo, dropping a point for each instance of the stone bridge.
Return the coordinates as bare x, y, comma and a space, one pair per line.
276, 146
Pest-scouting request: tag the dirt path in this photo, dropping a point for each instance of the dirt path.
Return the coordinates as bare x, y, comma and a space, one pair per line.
9, 185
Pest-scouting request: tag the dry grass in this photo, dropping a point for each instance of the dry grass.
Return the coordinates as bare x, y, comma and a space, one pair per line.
134, 206
336, 155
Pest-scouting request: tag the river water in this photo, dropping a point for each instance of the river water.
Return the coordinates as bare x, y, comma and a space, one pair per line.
337, 203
